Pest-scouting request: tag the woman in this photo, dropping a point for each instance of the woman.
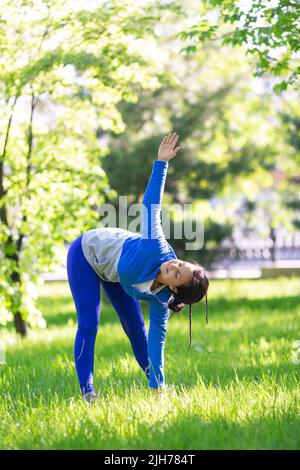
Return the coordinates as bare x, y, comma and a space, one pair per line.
132, 267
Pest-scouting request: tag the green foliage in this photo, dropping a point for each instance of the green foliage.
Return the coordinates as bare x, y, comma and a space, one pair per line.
70, 74
290, 119
64, 68
269, 31
230, 142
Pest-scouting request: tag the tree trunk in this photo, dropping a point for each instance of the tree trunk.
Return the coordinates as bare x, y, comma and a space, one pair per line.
20, 325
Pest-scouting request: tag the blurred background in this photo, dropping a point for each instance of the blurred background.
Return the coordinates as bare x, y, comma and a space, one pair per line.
88, 90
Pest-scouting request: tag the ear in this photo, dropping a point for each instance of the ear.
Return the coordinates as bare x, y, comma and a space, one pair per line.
174, 289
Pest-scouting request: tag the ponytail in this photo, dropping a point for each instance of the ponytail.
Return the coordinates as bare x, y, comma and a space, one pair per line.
175, 304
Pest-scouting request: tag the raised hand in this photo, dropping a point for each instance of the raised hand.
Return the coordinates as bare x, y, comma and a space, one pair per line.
166, 149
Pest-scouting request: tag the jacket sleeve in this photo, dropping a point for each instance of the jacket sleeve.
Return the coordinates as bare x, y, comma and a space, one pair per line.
156, 342
151, 204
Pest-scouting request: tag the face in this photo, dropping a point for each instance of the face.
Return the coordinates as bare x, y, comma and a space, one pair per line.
176, 272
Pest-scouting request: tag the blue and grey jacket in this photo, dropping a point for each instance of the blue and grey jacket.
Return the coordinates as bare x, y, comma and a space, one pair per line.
131, 258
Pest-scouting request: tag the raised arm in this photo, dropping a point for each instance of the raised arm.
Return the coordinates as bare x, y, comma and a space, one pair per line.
151, 204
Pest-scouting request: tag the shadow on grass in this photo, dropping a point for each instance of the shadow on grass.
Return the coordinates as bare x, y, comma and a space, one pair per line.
273, 303
219, 308
222, 377
49, 367
191, 432
45, 370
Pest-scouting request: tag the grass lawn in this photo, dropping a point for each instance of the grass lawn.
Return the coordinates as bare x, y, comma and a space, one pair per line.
237, 387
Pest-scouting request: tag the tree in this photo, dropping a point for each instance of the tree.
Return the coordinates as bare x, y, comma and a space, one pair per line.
226, 129
269, 30
63, 68
233, 144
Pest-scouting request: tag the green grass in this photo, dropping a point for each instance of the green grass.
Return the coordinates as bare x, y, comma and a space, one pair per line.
237, 387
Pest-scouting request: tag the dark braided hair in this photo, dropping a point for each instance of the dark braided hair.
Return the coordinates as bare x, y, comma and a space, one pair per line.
189, 294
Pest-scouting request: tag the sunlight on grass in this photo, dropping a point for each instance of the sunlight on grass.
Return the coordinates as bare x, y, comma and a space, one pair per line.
237, 387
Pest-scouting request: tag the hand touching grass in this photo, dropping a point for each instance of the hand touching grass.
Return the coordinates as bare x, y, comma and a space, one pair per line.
166, 149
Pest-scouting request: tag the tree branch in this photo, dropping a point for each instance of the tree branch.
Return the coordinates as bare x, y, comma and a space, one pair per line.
29, 166
3, 212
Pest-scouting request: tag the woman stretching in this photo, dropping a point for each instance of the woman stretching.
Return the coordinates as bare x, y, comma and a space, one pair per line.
132, 267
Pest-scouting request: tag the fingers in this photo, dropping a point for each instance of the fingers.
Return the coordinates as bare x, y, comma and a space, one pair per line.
165, 139
174, 140
171, 138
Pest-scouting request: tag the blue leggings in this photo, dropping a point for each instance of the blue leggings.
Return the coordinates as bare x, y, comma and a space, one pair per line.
85, 287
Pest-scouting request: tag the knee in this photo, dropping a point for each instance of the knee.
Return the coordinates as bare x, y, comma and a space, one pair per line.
137, 334
88, 330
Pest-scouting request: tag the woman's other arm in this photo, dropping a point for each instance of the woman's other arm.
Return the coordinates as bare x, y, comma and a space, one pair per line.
156, 343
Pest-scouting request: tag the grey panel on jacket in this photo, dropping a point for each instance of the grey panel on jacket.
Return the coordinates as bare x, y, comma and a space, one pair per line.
102, 248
